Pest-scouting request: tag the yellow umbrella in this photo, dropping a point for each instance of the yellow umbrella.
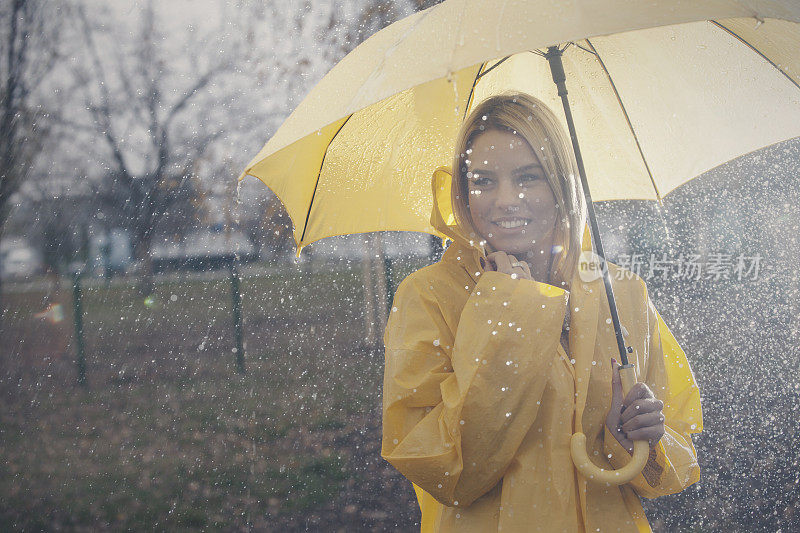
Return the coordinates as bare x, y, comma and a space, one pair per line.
661, 92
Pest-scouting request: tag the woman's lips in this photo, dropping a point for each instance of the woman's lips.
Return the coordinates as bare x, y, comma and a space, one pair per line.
517, 228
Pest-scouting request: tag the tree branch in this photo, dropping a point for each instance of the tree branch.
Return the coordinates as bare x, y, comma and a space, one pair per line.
102, 112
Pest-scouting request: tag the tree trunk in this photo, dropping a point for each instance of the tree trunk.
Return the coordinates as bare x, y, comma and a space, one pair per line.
3, 218
370, 335
381, 289
2, 303
141, 252
375, 296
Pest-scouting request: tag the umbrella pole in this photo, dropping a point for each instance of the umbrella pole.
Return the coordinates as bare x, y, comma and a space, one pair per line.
627, 371
553, 56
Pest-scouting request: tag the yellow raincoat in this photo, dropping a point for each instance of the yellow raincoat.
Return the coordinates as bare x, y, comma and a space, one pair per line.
480, 399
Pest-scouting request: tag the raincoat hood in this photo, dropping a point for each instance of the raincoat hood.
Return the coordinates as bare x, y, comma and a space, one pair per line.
443, 217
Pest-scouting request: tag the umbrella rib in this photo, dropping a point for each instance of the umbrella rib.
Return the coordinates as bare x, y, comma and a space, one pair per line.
322, 163
488, 70
628, 120
472, 89
584, 49
756, 50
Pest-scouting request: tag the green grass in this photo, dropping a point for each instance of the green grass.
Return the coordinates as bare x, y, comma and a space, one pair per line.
167, 434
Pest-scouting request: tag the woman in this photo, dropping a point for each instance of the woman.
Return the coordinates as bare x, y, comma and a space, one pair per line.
487, 373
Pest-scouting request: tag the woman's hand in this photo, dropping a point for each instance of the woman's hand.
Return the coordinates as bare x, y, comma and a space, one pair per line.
639, 417
501, 262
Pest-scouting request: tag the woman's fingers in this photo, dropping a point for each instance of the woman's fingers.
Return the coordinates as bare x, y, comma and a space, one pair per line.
518, 269
638, 391
651, 434
526, 267
491, 264
503, 262
655, 419
640, 407
491, 260
642, 416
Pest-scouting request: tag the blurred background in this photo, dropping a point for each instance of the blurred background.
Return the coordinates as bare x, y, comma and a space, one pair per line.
167, 362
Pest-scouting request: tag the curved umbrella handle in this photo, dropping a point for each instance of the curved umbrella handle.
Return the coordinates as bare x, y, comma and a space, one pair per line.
641, 448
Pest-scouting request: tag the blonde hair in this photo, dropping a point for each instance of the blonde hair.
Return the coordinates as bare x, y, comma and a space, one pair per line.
530, 118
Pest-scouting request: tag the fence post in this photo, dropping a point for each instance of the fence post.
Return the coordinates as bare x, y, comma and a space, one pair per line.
78, 314
387, 263
237, 314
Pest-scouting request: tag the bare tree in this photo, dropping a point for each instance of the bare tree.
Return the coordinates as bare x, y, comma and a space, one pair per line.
152, 115
313, 37
375, 15
28, 52
271, 229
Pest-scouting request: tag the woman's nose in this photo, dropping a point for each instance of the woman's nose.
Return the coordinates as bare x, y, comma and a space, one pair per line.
508, 196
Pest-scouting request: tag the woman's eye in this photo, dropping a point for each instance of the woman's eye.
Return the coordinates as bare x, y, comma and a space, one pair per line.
529, 179
479, 182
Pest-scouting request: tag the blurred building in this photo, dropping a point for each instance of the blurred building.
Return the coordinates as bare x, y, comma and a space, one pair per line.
18, 259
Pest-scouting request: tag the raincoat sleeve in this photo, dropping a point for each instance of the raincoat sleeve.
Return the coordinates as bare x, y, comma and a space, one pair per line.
672, 465
459, 398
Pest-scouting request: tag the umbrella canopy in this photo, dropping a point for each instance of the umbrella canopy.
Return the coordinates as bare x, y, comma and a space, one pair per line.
660, 93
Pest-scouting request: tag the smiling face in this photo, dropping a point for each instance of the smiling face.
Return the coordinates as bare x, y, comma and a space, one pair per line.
510, 202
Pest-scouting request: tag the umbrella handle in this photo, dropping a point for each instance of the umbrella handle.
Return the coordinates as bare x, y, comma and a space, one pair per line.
641, 448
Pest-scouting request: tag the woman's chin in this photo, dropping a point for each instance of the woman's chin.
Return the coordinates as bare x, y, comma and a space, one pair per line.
517, 252
519, 248
522, 239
